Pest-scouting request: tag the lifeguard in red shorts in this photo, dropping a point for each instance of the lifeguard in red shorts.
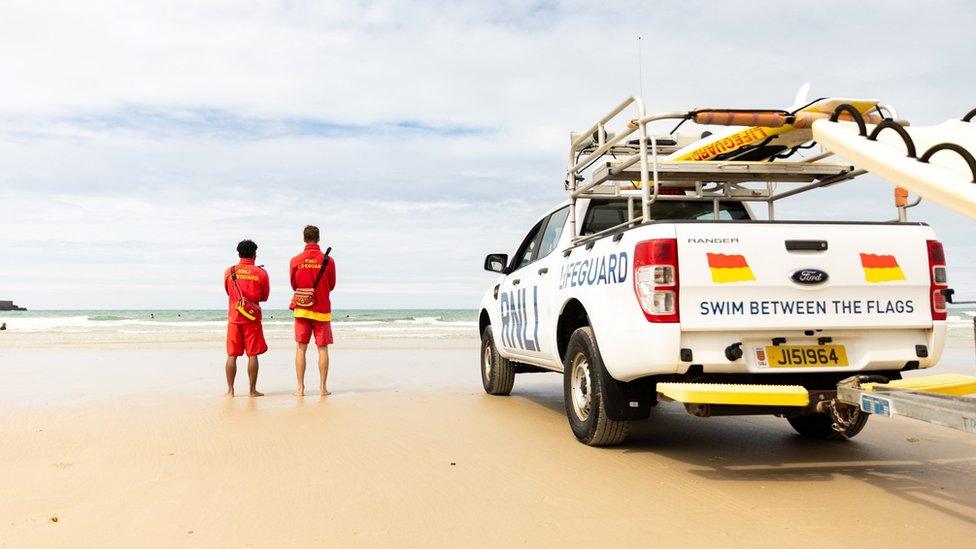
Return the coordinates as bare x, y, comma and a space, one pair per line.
313, 277
246, 285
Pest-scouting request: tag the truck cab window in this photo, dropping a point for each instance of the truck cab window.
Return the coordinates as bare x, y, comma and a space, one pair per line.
542, 239
553, 230
529, 249
603, 214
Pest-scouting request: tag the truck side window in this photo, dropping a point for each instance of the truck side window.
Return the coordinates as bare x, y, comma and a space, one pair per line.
553, 230
603, 214
527, 252
723, 214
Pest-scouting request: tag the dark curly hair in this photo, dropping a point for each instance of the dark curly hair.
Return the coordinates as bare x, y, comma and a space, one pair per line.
247, 249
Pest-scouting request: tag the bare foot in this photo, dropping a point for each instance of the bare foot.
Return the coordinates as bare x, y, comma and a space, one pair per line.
324, 392
300, 392
229, 394
256, 393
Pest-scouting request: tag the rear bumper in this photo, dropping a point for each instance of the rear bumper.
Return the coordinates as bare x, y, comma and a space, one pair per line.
867, 350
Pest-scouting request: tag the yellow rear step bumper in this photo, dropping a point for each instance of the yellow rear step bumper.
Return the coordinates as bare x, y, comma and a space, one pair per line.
796, 395
745, 395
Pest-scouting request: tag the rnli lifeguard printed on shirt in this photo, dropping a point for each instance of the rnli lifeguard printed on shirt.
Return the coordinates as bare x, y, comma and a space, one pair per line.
310, 263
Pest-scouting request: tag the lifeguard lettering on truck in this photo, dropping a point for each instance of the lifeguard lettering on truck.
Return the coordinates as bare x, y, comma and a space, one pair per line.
706, 295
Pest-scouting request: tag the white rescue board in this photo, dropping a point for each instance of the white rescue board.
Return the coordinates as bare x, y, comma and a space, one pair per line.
945, 179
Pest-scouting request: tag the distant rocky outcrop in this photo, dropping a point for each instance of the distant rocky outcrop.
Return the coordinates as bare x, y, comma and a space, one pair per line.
9, 306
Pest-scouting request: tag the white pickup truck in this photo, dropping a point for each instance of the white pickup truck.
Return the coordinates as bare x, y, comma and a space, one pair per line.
667, 281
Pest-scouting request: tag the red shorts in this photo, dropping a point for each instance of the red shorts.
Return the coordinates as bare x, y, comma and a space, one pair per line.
245, 338
304, 328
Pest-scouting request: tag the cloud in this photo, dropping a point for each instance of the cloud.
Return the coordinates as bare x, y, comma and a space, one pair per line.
210, 123
139, 141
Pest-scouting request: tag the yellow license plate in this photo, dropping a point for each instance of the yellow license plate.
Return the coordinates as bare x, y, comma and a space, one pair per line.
801, 356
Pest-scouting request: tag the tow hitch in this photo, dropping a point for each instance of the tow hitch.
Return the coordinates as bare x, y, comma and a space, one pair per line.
848, 418
945, 400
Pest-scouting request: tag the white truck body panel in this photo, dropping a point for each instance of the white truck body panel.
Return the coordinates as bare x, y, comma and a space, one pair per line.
845, 300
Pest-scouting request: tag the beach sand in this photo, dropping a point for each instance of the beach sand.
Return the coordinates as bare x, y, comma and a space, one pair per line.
129, 446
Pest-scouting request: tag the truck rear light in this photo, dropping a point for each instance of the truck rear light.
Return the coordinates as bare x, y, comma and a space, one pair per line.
656, 279
938, 279
663, 275
663, 303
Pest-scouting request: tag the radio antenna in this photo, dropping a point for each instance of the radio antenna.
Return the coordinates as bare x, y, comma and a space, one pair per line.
640, 65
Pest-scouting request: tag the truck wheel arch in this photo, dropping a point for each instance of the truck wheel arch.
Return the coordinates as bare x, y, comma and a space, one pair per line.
623, 401
572, 317
483, 321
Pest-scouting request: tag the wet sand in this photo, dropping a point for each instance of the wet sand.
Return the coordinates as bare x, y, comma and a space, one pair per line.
138, 447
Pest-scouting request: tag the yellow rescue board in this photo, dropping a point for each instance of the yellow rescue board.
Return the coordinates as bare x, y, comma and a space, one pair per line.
747, 395
716, 145
944, 384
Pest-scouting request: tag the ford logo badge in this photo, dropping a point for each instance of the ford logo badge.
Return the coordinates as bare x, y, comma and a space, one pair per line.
810, 276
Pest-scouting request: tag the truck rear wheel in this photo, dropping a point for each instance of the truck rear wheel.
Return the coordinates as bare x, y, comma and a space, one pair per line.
820, 426
497, 372
583, 379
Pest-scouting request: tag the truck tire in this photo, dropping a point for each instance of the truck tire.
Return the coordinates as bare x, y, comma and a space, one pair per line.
820, 426
497, 372
583, 379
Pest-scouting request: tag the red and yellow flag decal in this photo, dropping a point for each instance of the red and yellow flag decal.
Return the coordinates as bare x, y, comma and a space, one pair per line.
729, 268
881, 268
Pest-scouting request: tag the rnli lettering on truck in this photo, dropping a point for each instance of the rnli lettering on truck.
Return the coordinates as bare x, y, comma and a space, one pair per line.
515, 309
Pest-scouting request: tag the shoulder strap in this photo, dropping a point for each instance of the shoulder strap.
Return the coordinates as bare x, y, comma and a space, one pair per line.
233, 278
325, 263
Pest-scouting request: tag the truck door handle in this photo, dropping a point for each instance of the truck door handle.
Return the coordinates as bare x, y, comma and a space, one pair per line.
516, 282
806, 245
544, 270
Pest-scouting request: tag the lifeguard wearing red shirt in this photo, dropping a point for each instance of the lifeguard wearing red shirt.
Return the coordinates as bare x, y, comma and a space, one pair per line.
315, 319
304, 269
245, 335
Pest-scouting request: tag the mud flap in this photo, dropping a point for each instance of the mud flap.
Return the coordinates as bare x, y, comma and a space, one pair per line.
627, 401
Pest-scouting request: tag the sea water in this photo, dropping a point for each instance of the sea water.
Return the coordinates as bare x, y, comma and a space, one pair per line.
142, 324
171, 324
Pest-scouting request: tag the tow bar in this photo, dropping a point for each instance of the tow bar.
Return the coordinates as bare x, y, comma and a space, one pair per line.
941, 400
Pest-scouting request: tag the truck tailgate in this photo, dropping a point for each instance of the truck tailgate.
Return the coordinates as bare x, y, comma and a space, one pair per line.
742, 276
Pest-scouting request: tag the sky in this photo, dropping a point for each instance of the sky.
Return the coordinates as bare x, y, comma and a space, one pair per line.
140, 141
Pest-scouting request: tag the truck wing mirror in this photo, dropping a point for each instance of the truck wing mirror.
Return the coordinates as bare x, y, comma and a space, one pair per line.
496, 263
